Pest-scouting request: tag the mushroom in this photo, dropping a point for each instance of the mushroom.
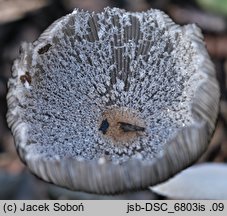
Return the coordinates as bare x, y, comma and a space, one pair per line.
112, 101
202, 181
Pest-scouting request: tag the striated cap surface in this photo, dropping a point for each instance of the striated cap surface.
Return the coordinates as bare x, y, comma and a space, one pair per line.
112, 101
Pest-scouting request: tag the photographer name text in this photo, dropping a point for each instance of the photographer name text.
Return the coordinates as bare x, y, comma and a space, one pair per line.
44, 207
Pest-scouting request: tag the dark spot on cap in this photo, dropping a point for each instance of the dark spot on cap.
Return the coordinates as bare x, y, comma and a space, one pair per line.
107, 152
26, 77
44, 49
104, 126
126, 127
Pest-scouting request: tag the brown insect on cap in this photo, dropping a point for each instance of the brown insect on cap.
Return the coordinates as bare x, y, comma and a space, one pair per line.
112, 101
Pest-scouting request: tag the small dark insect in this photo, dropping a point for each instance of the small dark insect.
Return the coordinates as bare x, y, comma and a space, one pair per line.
126, 127
44, 49
26, 77
104, 126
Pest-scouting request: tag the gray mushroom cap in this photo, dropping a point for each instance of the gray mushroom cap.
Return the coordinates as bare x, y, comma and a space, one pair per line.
112, 101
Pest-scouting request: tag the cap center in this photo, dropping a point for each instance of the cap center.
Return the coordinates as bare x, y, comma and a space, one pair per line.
121, 125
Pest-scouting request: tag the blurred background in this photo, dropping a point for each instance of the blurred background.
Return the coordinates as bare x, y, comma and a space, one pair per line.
24, 20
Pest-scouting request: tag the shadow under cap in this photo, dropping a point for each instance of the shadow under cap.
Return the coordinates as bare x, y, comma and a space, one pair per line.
112, 101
